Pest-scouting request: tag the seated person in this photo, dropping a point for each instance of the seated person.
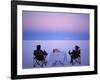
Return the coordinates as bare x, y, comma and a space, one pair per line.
77, 51
72, 55
75, 54
40, 54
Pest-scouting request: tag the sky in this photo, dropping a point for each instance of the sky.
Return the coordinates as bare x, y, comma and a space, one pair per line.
55, 26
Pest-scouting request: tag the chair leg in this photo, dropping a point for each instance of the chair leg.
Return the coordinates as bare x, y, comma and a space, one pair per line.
39, 63
44, 63
79, 59
34, 63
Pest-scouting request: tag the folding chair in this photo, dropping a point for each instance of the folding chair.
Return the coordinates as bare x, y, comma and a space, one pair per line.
39, 60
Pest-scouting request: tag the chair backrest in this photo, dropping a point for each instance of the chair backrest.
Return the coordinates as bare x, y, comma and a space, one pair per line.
39, 55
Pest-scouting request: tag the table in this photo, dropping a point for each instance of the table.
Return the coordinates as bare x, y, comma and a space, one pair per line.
57, 59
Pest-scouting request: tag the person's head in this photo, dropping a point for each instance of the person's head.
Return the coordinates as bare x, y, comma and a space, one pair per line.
76, 47
38, 47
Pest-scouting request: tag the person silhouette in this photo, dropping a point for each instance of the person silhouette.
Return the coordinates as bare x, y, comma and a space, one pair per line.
72, 55
75, 55
40, 56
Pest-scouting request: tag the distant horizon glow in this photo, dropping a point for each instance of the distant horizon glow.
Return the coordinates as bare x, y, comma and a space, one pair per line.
55, 26
55, 36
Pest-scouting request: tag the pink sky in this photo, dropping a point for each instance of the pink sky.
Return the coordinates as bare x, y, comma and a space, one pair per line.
55, 22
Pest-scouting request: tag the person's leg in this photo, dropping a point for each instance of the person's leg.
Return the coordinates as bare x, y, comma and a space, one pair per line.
78, 60
72, 61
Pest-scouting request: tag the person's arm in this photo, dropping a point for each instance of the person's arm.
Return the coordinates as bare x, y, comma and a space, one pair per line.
69, 52
45, 53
